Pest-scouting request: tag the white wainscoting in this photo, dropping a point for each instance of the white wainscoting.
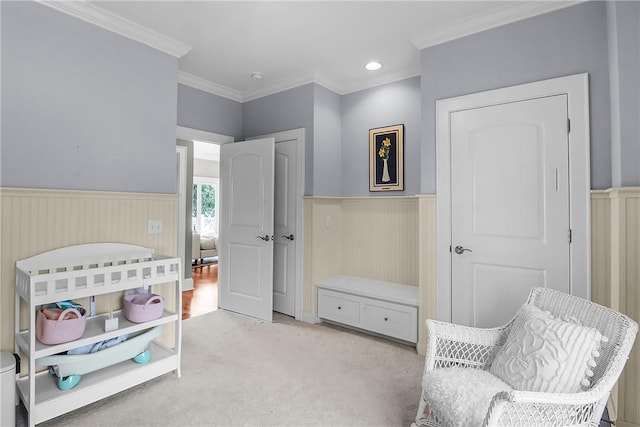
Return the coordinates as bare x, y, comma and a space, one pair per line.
355, 233
615, 271
382, 238
427, 262
38, 220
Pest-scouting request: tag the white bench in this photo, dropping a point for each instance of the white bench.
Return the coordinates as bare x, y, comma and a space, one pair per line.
384, 308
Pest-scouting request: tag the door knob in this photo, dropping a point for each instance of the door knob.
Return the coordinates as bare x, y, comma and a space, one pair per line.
289, 237
265, 237
460, 250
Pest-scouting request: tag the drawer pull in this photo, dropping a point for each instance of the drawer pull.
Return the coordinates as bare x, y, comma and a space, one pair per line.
386, 319
339, 307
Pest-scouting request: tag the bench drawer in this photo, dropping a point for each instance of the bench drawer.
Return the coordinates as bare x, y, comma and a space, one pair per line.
338, 307
389, 319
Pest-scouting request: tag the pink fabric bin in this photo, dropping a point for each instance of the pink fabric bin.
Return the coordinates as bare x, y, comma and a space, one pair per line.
139, 308
61, 330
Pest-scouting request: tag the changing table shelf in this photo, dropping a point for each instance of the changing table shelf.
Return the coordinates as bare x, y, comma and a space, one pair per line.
82, 271
51, 402
94, 332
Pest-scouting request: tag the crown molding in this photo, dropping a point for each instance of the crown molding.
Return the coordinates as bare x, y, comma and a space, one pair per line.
280, 86
234, 95
292, 83
112, 22
209, 86
380, 82
506, 15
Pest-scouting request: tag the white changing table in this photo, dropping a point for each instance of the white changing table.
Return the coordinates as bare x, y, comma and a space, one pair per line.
82, 271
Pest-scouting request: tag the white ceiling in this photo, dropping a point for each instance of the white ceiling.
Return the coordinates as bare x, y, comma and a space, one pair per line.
297, 42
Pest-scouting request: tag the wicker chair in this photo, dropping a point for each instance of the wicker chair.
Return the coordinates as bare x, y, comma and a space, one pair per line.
451, 345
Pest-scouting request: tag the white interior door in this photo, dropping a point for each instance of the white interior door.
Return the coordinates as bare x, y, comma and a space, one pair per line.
289, 194
246, 228
284, 242
510, 226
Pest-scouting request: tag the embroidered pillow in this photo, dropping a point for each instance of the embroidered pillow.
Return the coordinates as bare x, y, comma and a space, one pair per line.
546, 354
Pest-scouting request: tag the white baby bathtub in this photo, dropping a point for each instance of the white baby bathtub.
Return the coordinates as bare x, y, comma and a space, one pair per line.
64, 365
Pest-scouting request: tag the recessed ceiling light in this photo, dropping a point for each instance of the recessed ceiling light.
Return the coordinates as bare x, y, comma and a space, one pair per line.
256, 76
373, 66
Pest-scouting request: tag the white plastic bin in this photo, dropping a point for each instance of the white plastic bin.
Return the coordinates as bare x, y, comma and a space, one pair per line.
7, 390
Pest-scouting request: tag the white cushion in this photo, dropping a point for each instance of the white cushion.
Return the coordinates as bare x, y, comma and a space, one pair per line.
207, 243
461, 396
547, 354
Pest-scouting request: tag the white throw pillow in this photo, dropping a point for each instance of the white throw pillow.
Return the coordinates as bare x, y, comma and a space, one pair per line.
546, 354
460, 397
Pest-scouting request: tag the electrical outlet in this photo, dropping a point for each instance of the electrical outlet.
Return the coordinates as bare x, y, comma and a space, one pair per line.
155, 226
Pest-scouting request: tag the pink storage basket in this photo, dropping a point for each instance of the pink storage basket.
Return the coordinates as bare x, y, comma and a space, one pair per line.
139, 308
61, 330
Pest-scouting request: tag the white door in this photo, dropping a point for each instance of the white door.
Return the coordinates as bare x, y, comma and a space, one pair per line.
289, 193
284, 242
246, 228
509, 207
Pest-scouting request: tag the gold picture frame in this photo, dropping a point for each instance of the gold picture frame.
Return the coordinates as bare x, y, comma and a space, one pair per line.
386, 158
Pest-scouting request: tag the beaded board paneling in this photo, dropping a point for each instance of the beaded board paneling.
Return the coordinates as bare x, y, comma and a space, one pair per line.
615, 254
38, 220
382, 238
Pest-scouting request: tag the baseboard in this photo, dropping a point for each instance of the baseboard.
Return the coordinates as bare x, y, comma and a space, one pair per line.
187, 284
310, 318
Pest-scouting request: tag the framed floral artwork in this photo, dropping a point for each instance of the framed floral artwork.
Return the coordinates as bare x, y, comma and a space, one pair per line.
386, 158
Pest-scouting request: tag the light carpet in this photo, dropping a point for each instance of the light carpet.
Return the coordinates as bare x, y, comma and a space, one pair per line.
240, 371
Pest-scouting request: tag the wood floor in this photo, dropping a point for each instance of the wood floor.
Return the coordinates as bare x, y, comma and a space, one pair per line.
203, 298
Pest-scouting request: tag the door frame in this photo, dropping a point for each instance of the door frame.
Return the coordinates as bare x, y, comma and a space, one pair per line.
576, 87
181, 216
298, 135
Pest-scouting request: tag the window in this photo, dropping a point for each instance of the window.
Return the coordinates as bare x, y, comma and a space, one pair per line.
204, 216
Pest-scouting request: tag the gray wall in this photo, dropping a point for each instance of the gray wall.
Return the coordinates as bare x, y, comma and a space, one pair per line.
391, 104
568, 41
291, 109
82, 107
327, 145
624, 58
212, 113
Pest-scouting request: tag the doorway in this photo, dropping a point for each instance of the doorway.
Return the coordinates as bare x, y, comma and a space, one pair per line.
185, 141
203, 298
481, 171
